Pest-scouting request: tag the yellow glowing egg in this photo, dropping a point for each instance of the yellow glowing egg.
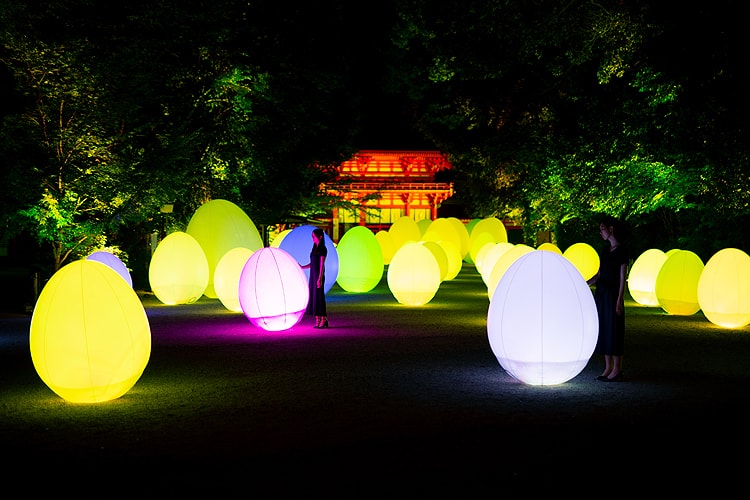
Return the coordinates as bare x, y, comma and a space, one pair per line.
114, 262
642, 277
413, 275
491, 225
387, 245
227, 277
463, 235
280, 237
443, 229
90, 338
676, 284
584, 257
178, 272
542, 321
724, 288
550, 247
453, 255
488, 257
503, 263
219, 226
423, 224
273, 289
440, 257
480, 241
360, 260
404, 230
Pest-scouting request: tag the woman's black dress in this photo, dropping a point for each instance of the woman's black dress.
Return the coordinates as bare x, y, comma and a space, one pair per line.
316, 305
611, 339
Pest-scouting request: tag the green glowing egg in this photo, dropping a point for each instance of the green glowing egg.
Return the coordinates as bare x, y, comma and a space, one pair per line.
360, 260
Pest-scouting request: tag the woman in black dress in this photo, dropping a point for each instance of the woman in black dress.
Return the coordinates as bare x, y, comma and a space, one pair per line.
316, 305
609, 296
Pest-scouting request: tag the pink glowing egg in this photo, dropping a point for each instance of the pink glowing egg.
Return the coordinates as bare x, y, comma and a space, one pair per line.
273, 290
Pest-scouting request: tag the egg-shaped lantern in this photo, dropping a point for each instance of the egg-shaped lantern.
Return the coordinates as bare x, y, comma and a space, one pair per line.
463, 235
491, 225
387, 245
280, 237
423, 224
724, 288
273, 290
440, 257
404, 230
550, 247
178, 271
453, 256
642, 276
542, 321
114, 262
480, 242
584, 257
488, 257
298, 243
360, 260
413, 275
227, 277
676, 284
443, 229
219, 226
90, 339
503, 263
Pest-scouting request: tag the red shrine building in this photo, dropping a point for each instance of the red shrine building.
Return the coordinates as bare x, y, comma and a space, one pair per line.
392, 184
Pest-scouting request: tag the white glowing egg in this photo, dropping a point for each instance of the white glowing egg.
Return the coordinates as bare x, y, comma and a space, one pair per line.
542, 321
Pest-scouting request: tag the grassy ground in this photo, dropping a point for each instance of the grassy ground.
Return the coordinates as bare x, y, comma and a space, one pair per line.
391, 400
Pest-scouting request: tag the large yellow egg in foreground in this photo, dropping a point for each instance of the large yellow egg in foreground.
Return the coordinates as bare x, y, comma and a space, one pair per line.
413, 275
90, 338
724, 288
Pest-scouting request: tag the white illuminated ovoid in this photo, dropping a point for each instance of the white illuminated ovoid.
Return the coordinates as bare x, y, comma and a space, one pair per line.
542, 321
273, 291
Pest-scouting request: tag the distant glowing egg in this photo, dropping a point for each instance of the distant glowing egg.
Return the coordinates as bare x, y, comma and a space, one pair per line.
463, 235
676, 285
90, 338
114, 262
423, 224
178, 272
280, 237
542, 321
724, 288
550, 247
298, 243
491, 225
413, 275
453, 255
227, 277
443, 229
479, 242
503, 263
219, 226
387, 245
273, 289
404, 229
360, 260
642, 277
488, 257
584, 257
440, 257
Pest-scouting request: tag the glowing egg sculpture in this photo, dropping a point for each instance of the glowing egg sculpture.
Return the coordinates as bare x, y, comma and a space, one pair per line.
227, 277
584, 257
542, 321
503, 263
642, 277
178, 272
413, 275
453, 255
463, 235
360, 260
676, 284
440, 256
298, 244
387, 245
724, 288
443, 229
273, 289
404, 229
114, 262
488, 257
493, 226
90, 338
550, 247
219, 226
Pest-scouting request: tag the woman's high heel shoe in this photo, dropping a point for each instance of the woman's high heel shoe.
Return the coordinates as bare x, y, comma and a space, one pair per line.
323, 324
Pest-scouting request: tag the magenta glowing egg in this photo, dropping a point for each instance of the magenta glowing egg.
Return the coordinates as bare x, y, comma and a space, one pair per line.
114, 262
273, 291
542, 321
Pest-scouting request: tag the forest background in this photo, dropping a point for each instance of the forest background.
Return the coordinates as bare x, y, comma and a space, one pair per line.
550, 112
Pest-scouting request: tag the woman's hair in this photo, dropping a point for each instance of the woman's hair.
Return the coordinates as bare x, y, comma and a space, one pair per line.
319, 233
